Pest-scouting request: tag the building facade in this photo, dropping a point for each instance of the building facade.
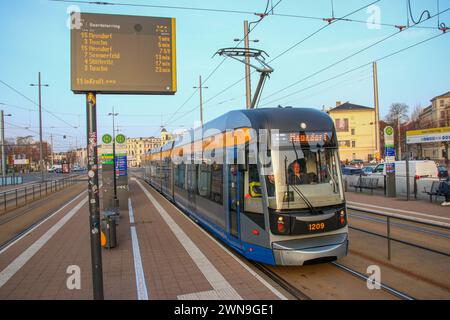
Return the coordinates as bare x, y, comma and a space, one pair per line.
355, 127
136, 147
435, 116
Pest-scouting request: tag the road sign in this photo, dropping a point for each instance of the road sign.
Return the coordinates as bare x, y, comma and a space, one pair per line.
428, 135
120, 138
123, 54
106, 138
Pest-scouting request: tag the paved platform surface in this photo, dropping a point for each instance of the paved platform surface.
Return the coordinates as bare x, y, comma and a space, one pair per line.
413, 208
162, 254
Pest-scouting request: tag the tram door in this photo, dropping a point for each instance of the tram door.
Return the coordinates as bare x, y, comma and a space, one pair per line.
234, 205
191, 186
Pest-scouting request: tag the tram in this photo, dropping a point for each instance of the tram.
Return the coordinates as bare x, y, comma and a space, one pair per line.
267, 182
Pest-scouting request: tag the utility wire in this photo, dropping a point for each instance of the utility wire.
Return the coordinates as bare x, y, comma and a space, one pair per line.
219, 65
278, 56
346, 58
33, 102
357, 68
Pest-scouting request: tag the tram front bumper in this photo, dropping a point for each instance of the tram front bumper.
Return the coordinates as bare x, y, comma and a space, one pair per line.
310, 250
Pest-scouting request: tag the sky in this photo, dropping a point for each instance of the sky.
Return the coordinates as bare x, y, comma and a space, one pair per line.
35, 38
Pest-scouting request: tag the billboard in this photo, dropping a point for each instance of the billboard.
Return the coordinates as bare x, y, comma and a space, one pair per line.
123, 54
428, 135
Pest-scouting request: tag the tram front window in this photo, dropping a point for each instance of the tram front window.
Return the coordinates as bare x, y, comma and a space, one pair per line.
306, 173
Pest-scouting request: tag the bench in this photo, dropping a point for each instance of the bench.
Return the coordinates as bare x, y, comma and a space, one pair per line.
434, 190
366, 183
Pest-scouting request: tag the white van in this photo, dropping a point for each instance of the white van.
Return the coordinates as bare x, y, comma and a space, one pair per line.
417, 169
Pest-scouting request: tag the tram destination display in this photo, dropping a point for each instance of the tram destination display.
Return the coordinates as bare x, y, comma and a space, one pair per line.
123, 54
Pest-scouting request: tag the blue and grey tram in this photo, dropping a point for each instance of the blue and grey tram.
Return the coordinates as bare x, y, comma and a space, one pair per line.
267, 182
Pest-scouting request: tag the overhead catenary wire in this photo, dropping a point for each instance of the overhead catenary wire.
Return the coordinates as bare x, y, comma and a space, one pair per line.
221, 62
35, 103
358, 67
346, 58
278, 56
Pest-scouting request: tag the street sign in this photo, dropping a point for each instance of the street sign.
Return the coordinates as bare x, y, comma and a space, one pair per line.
106, 138
123, 54
121, 164
120, 138
389, 146
428, 135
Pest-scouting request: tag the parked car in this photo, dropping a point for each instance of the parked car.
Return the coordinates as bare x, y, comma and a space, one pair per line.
442, 172
356, 162
353, 171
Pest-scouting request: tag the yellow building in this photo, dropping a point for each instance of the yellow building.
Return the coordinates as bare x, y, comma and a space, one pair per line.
165, 136
355, 127
136, 147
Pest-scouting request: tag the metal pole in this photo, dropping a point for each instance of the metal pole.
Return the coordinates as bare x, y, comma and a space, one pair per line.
40, 129
388, 222
51, 144
248, 90
93, 191
2, 123
377, 109
201, 99
114, 161
407, 172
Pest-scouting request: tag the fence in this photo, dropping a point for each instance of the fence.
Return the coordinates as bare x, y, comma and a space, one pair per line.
388, 236
10, 180
18, 197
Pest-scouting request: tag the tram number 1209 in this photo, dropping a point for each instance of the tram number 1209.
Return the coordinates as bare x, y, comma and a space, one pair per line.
316, 226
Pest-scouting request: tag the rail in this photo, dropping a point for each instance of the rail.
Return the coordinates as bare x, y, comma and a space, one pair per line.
389, 217
18, 197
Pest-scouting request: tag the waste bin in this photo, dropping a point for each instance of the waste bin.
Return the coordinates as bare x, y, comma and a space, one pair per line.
109, 228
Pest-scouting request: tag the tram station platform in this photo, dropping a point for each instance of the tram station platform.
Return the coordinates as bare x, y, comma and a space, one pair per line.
161, 254
413, 208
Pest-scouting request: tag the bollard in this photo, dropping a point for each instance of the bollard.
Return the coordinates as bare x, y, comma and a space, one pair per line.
16, 198
26, 195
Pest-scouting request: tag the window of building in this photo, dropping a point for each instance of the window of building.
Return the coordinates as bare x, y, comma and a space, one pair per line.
344, 143
341, 125
353, 132
441, 102
353, 144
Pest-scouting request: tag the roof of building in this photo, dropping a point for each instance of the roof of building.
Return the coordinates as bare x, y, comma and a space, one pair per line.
163, 130
441, 96
349, 106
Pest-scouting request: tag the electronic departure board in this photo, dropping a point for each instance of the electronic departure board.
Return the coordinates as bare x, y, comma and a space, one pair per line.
123, 54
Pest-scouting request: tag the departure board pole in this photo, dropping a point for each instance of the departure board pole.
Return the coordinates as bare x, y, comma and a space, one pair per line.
93, 191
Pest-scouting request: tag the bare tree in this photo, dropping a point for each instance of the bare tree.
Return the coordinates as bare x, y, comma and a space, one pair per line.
398, 114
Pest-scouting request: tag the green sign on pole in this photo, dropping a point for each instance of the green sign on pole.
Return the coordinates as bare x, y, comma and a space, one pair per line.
106, 138
120, 138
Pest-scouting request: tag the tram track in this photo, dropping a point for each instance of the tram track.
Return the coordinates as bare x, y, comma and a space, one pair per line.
292, 290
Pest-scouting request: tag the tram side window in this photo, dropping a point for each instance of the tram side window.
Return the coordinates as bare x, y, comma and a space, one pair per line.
180, 176
192, 177
204, 180
253, 181
217, 183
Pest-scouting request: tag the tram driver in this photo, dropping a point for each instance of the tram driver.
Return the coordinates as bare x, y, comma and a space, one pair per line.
296, 176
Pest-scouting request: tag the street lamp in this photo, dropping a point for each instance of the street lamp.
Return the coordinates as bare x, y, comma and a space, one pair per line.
116, 200
2, 123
